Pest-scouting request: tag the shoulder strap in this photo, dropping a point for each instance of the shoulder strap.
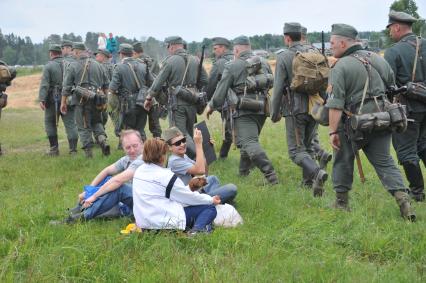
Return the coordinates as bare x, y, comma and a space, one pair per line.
86, 65
134, 75
413, 74
186, 59
170, 185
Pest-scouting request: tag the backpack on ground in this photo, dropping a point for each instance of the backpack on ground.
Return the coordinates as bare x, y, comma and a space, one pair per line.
310, 72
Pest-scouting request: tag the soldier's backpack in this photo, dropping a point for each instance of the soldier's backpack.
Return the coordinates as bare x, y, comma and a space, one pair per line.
5, 74
310, 72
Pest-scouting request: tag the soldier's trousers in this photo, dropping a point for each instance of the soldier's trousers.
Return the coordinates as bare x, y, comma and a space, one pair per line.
184, 119
300, 143
377, 151
411, 144
226, 126
88, 124
247, 131
114, 111
136, 120
68, 120
154, 122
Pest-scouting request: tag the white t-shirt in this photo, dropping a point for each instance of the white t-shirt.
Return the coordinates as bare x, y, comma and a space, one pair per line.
102, 42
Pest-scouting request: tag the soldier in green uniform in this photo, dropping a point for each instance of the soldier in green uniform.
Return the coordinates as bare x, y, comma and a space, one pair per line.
153, 69
6, 77
321, 155
84, 78
179, 71
50, 101
350, 93
103, 57
300, 126
410, 146
67, 53
222, 56
250, 115
130, 81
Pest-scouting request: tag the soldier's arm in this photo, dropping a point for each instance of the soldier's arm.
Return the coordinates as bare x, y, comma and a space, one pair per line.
105, 79
213, 80
278, 90
115, 83
160, 80
392, 58
222, 89
44, 85
204, 78
67, 85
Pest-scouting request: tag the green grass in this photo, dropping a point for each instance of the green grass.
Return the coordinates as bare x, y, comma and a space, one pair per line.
288, 236
25, 71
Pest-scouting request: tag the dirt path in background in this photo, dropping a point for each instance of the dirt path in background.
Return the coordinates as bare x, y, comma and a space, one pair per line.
23, 93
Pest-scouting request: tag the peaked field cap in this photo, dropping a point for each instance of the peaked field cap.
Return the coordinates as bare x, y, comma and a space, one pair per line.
292, 27
125, 48
171, 133
55, 47
137, 46
173, 40
242, 40
221, 41
104, 52
400, 17
79, 46
344, 30
66, 43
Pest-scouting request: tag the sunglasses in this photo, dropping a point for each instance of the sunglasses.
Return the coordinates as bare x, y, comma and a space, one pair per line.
179, 142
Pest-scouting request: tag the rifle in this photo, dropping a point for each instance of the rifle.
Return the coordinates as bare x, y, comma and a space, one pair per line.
57, 100
291, 102
322, 43
200, 68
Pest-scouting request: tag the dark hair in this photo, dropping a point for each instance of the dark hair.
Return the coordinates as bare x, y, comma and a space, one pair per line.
295, 36
153, 150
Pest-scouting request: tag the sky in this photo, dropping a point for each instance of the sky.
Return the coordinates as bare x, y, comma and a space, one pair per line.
193, 20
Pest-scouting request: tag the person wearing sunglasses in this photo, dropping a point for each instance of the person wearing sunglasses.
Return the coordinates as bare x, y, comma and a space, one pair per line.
186, 168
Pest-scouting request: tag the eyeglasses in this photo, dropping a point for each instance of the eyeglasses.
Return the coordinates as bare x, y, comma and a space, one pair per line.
179, 142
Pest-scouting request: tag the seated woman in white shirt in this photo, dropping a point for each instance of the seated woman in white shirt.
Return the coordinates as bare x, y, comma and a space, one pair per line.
162, 201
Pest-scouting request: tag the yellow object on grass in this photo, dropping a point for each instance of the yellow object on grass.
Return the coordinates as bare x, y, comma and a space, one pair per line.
131, 228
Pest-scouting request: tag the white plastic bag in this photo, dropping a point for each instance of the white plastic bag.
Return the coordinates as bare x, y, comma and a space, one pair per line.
227, 216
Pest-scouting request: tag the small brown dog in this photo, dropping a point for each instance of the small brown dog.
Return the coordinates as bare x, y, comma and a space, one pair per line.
197, 183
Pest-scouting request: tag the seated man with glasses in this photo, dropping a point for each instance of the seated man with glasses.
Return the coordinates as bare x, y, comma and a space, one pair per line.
187, 168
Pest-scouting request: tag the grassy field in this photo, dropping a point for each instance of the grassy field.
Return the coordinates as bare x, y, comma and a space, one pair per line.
288, 236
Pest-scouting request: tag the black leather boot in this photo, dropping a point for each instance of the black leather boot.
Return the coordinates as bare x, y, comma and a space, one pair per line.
54, 147
264, 164
73, 146
414, 175
226, 145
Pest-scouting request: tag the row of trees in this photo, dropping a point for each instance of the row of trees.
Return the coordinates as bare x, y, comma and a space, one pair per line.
15, 50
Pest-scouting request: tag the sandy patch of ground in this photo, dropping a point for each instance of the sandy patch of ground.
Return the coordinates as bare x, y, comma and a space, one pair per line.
23, 93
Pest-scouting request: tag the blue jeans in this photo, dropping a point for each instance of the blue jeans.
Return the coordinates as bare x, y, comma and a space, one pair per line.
200, 217
226, 192
108, 201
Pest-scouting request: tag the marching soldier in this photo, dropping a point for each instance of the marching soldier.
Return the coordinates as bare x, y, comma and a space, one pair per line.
300, 126
129, 82
50, 101
179, 72
88, 81
357, 85
222, 56
153, 69
410, 146
250, 114
103, 57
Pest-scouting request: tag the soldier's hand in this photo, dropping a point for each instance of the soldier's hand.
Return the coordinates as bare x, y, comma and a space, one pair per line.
335, 141
276, 117
43, 105
209, 111
147, 105
63, 108
216, 200
198, 137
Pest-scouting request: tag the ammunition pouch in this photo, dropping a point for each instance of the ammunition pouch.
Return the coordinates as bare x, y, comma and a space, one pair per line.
3, 100
259, 82
192, 96
141, 95
392, 119
416, 91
